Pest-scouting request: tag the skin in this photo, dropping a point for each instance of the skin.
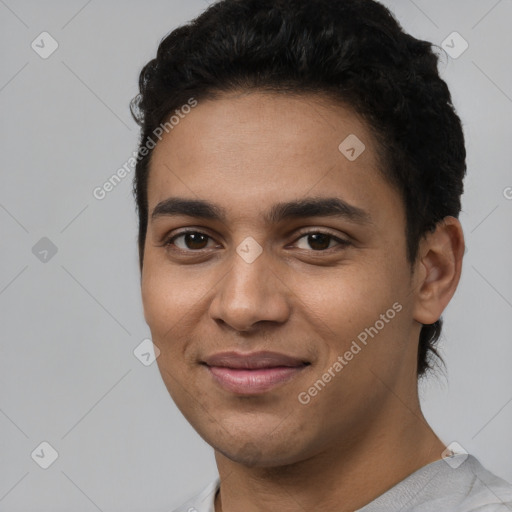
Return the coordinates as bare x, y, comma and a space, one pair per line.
364, 431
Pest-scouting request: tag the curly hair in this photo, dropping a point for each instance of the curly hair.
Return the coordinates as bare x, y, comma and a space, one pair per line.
351, 51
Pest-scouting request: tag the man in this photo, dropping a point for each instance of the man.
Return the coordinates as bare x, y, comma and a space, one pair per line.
298, 188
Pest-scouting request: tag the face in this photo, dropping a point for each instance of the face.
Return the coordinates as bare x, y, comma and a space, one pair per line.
281, 298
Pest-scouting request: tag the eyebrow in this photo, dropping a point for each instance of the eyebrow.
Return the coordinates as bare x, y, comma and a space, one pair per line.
302, 208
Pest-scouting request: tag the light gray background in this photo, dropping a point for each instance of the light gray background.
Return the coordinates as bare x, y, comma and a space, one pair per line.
69, 325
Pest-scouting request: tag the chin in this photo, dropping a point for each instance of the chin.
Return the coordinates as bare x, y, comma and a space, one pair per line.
258, 449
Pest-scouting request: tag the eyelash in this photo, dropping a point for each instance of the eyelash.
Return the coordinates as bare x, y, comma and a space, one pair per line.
170, 241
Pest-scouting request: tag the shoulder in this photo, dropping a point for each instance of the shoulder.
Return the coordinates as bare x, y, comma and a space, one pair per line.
459, 484
203, 501
493, 507
487, 492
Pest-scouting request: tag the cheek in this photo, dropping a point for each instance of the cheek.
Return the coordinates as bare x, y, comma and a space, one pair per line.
154, 298
164, 302
174, 303
347, 298
359, 309
166, 293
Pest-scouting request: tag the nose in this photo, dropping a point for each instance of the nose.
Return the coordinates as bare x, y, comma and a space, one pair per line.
251, 293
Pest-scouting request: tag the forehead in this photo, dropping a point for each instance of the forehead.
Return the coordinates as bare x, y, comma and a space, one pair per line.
245, 150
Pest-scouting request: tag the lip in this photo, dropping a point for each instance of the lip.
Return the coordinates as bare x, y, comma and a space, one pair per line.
253, 373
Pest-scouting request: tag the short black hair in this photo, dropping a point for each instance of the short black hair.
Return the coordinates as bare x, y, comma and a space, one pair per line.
351, 51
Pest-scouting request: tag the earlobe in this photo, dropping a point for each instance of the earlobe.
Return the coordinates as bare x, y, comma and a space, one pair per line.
438, 270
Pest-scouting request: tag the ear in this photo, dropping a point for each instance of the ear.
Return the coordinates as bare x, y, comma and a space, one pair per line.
437, 270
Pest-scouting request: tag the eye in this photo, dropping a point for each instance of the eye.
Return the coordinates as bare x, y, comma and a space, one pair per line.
320, 241
190, 241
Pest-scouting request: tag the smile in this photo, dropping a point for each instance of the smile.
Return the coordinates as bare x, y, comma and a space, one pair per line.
255, 373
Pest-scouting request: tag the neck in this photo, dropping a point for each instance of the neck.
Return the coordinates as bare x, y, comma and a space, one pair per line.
343, 476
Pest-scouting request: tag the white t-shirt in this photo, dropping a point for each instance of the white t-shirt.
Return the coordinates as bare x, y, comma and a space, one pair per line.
457, 484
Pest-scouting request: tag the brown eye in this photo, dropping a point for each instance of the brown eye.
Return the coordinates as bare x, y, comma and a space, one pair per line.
190, 240
321, 241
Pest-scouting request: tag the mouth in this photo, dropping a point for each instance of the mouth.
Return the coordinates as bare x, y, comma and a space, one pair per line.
253, 373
